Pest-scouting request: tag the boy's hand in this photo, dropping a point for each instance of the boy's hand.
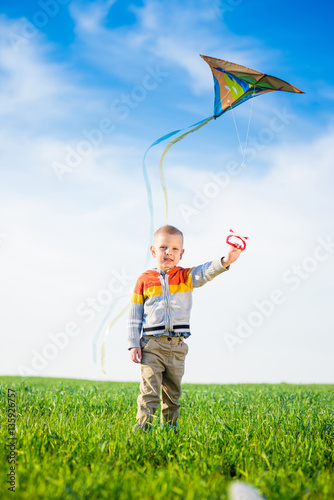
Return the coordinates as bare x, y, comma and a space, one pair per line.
135, 354
232, 255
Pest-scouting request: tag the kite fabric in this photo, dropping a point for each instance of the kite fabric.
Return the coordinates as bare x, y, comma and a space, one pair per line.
233, 85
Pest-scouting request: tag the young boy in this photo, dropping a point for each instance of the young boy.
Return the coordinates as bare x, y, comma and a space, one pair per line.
158, 323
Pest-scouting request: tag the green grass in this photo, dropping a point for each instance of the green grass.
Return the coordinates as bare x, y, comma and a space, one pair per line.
75, 440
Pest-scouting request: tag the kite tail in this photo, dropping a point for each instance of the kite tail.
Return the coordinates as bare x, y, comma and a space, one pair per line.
148, 186
193, 128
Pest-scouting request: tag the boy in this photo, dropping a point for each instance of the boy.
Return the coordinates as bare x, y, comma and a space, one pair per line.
158, 323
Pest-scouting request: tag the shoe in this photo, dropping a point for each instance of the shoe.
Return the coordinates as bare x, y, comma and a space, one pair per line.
144, 427
174, 427
169, 426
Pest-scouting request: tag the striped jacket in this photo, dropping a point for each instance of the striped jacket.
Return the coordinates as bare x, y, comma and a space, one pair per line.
161, 301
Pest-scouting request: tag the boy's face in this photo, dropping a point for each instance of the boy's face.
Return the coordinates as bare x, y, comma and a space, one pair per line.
167, 249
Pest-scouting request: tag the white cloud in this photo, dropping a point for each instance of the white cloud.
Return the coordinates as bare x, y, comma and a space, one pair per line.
91, 16
28, 80
195, 31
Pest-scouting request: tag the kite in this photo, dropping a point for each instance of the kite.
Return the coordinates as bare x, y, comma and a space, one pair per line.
233, 85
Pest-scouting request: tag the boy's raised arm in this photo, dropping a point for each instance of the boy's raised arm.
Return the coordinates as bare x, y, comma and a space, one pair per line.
206, 272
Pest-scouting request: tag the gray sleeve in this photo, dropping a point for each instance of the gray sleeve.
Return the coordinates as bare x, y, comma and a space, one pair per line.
206, 272
135, 321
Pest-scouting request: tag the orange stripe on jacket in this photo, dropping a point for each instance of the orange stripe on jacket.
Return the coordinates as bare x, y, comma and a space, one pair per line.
150, 285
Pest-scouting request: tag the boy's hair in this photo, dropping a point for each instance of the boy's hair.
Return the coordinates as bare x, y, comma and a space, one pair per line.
167, 229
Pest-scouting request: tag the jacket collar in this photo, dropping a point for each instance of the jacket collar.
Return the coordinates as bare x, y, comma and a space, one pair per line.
164, 272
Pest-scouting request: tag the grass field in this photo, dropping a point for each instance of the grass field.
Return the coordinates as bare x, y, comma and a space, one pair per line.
75, 440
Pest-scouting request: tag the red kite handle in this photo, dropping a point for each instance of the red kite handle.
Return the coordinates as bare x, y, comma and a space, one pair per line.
237, 236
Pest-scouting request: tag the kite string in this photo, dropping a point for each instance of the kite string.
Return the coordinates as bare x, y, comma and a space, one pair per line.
243, 149
250, 116
236, 128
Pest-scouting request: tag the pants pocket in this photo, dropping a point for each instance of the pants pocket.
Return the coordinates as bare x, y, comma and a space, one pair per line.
144, 341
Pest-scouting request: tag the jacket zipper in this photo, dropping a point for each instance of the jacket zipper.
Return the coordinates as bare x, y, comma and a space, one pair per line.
166, 295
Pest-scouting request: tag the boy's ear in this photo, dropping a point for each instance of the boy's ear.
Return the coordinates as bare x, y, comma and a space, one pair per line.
152, 248
182, 252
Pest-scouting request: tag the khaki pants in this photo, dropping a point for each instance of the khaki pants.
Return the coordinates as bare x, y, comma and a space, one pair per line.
162, 368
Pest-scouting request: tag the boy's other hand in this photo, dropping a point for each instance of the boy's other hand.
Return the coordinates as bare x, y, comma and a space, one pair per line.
135, 354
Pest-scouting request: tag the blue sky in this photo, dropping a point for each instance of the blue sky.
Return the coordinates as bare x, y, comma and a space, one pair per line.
86, 87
